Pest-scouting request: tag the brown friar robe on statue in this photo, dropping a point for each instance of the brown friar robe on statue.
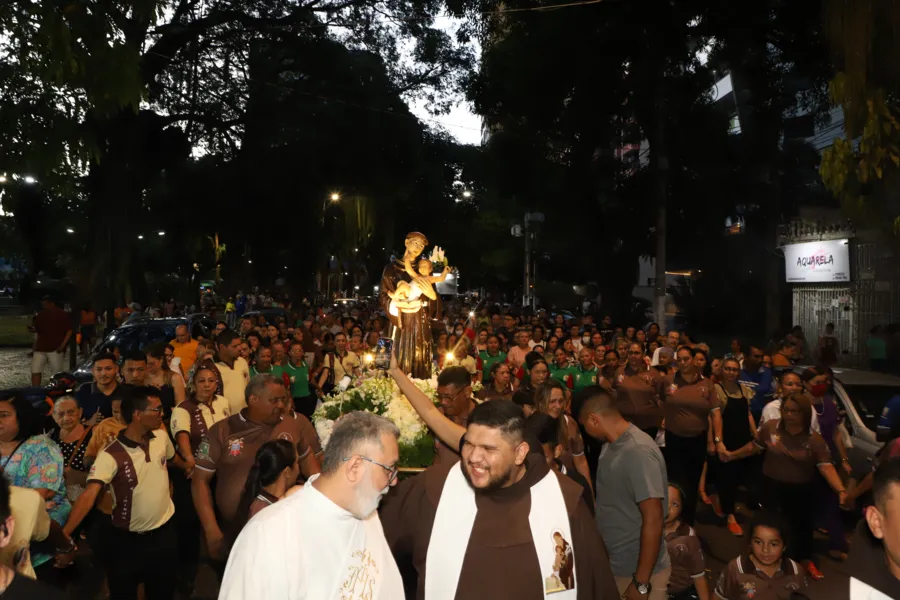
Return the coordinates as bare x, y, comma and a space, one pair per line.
500, 561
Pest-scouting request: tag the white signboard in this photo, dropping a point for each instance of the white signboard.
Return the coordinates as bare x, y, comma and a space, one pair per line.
817, 262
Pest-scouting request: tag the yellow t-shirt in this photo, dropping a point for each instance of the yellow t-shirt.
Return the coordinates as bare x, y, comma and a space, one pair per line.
139, 481
181, 418
32, 525
234, 384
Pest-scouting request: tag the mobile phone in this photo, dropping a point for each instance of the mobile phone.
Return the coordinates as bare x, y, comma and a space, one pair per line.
383, 350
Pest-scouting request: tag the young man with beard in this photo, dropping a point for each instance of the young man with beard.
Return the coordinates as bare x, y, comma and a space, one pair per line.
325, 541
499, 511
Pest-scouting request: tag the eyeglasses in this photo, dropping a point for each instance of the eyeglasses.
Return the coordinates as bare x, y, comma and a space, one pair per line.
391, 471
731, 370
449, 397
157, 409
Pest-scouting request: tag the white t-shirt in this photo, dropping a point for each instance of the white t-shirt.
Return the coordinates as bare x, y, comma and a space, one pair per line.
773, 411
234, 383
306, 547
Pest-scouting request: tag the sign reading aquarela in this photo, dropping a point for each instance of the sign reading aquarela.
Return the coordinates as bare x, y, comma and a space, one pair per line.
826, 261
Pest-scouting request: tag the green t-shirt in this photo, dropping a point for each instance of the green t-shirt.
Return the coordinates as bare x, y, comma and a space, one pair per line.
561, 374
271, 371
299, 377
583, 378
489, 361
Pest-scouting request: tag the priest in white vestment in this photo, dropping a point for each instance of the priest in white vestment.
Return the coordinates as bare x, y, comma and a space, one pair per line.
325, 542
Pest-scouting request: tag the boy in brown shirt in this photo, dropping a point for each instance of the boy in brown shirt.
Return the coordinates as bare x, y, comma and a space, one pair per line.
762, 572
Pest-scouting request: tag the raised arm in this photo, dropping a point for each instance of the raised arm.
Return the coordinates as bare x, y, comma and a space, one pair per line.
449, 432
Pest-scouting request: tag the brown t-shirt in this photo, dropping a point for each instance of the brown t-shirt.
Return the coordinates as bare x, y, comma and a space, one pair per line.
230, 449
741, 580
791, 458
51, 326
638, 394
687, 405
686, 556
489, 392
500, 562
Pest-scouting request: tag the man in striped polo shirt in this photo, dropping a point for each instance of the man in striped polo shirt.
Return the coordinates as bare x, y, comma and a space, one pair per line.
134, 468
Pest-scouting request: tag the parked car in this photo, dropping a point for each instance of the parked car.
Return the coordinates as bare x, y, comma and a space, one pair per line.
140, 332
862, 395
271, 314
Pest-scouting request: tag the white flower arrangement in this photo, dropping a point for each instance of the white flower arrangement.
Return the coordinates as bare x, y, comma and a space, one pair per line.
380, 395
438, 258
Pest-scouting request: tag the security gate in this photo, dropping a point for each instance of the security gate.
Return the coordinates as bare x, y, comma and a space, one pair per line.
816, 306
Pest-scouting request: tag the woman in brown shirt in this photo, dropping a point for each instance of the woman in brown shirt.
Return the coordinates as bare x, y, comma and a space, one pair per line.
689, 407
500, 387
793, 455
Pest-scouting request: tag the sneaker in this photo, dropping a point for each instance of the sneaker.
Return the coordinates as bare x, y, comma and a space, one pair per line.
736, 529
814, 571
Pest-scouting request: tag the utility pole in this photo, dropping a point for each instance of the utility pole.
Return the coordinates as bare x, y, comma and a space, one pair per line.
529, 231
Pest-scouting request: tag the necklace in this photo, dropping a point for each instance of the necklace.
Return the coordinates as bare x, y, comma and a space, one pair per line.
819, 412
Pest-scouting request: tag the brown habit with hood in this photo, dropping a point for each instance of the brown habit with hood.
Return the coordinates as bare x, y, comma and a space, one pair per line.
500, 561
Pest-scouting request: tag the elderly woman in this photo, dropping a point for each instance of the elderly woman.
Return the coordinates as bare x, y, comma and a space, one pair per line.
72, 438
31, 460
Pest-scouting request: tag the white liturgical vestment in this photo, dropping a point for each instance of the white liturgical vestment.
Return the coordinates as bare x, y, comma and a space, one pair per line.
306, 547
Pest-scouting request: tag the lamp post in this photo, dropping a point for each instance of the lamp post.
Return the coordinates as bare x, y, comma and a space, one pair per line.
529, 231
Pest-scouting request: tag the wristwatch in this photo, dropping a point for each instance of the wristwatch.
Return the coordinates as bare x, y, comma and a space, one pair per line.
642, 588
717, 440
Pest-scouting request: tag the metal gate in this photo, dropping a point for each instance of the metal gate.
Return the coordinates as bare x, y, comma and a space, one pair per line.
816, 306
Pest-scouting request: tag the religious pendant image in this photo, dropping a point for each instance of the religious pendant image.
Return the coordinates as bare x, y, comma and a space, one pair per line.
563, 576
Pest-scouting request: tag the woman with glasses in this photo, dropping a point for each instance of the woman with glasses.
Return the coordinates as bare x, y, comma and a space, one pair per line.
689, 408
794, 457
738, 432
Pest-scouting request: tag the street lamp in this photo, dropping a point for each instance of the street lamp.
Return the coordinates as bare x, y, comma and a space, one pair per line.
140, 237
2, 178
467, 194
30, 180
335, 197
70, 230
161, 233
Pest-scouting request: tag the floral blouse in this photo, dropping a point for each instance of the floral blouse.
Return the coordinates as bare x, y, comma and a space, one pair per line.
37, 463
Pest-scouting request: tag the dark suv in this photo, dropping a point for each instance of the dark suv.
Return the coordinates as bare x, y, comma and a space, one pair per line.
140, 332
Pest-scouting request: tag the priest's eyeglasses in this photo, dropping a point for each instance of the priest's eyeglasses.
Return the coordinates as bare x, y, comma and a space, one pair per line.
391, 471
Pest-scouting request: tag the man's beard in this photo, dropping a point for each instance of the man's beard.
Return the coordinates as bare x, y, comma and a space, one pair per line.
495, 482
368, 498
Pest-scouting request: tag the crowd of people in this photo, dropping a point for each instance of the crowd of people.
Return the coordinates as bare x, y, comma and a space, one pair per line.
579, 465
